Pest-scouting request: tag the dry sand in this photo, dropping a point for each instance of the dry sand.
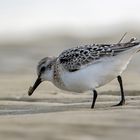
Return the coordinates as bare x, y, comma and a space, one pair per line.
52, 114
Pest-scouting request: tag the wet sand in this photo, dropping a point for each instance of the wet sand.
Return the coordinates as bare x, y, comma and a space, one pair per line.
52, 114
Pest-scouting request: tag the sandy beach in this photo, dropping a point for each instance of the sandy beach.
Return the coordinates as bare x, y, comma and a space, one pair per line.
52, 114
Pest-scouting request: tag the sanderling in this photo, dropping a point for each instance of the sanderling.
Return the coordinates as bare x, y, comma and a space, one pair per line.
87, 67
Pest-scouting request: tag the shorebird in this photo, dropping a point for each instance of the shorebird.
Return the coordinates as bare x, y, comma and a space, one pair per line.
87, 67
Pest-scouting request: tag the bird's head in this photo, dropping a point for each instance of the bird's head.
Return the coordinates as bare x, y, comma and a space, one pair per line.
44, 72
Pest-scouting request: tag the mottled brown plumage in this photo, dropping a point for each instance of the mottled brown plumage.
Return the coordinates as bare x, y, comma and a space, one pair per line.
75, 58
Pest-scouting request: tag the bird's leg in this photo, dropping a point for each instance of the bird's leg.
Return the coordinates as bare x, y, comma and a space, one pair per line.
94, 98
122, 102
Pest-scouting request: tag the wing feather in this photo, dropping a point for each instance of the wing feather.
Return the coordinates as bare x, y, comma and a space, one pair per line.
75, 58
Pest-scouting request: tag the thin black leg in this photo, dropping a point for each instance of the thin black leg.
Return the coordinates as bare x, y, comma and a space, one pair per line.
122, 102
94, 98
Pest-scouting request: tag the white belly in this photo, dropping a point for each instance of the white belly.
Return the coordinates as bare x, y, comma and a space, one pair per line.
97, 74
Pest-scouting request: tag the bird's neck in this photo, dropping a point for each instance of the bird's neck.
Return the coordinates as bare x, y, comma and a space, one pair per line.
50, 74
57, 73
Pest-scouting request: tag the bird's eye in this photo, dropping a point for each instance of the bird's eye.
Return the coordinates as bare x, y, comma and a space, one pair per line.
42, 69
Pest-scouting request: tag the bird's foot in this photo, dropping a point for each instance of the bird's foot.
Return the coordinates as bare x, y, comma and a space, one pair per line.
92, 106
121, 103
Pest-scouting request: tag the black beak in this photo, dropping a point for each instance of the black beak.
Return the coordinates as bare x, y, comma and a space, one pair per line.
36, 84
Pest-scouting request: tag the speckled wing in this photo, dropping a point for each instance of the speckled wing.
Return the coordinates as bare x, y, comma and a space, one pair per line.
75, 58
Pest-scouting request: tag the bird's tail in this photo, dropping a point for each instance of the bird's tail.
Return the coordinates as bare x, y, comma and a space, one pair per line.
133, 43
121, 47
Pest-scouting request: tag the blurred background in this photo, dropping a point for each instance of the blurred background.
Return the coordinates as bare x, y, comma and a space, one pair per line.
33, 29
